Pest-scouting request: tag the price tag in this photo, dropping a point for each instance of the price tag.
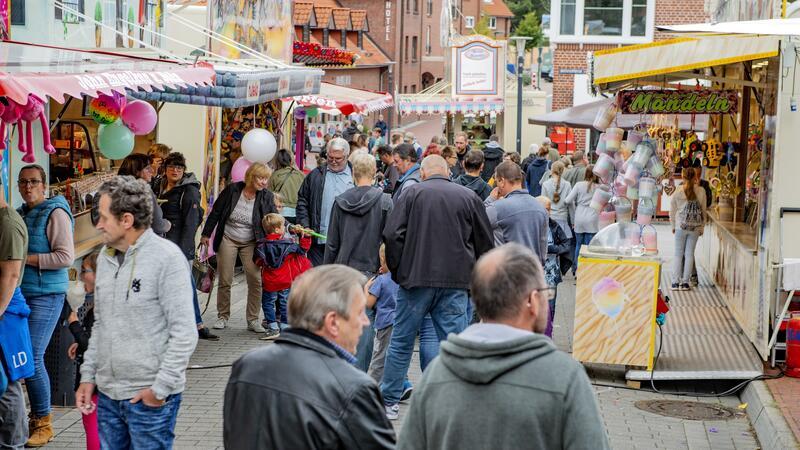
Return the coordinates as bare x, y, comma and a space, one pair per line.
253, 90
283, 86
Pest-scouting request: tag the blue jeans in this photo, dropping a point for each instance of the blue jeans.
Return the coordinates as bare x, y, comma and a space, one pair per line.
683, 264
198, 317
126, 425
268, 300
366, 343
45, 311
580, 239
448, 310
428, 342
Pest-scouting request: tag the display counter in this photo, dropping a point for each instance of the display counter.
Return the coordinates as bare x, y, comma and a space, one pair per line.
615, 309
87, 238
727, 251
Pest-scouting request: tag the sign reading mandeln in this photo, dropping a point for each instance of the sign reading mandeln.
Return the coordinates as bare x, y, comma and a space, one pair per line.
678, 102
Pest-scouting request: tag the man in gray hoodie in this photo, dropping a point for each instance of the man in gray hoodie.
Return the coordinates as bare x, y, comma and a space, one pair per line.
144, 330
530, 394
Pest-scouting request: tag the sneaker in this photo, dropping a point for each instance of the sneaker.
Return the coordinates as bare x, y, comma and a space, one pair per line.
408, 389
694, 282
255, 326
203, 333
392, 411
675, 287
220, 324
685, 287
270, 335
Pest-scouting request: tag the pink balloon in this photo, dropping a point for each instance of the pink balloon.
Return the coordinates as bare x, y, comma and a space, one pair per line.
239, 168
140, 117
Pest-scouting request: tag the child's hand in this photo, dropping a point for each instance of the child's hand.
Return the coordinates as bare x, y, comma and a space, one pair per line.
369, 285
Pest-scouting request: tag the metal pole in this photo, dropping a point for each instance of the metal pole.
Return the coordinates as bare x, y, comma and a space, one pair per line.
520, 42
539, 70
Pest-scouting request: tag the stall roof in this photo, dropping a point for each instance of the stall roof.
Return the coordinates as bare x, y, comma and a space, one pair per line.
769, 27
335, 99
55, 72
676, 55
582, 116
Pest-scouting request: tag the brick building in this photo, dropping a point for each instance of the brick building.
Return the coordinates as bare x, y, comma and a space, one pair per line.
327, 23
579, 27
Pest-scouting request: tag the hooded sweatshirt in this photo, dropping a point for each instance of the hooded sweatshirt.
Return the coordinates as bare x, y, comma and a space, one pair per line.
530, 395
182, 209
533, 175
494, 156
476, 184
354, 234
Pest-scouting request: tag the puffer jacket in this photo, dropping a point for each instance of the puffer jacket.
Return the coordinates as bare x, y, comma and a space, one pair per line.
281, 261
181, 207
339, 406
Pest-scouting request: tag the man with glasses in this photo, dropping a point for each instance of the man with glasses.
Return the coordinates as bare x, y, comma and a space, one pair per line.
44, 284
531, 395
318, 191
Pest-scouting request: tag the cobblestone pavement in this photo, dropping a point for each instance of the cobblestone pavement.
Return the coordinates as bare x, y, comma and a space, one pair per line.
200, 420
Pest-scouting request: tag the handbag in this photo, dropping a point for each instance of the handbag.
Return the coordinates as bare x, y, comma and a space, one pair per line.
16, 350
203, 272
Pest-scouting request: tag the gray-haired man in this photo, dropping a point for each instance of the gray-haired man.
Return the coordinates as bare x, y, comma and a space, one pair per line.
530, 394
318, 191
144, 330
313, 397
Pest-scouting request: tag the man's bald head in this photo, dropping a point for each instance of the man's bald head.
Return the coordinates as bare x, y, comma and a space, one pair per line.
434, 165
502, 283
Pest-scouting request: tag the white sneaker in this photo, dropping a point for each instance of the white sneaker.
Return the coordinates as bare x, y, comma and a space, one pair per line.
392, 411
220, 324
255, 325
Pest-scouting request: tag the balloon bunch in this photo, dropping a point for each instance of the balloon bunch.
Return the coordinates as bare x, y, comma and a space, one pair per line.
119, 122
627, 175
23, 116
258, 145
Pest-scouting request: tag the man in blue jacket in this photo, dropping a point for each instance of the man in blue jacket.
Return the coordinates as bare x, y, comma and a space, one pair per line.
13, 317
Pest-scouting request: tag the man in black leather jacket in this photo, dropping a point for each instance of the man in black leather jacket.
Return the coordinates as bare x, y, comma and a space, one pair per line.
303, 392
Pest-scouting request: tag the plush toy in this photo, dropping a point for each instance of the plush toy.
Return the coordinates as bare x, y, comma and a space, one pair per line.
33, 111
9, 116
714, 154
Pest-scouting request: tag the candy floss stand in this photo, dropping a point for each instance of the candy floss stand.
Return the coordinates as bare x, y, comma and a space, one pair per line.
619, 271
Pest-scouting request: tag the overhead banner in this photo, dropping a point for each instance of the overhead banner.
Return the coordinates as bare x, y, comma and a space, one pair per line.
678, 102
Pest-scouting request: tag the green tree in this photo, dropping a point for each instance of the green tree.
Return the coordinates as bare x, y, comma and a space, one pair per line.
529, 27
482, 27
521, 8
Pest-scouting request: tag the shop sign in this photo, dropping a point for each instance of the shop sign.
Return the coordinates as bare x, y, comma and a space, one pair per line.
476, 69
313, 100
127, 79
283, 86
678, 102
253, 90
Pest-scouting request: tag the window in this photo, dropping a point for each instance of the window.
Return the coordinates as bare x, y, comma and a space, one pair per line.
568, 17
428, 40
306, 33
344, 38
18, 12
325, 35
430, 7
414, 49
416, 6
469, 21
639, 18
492, 23
413, 88
69, 16
405, 89
405, 53
602, 18
361, 40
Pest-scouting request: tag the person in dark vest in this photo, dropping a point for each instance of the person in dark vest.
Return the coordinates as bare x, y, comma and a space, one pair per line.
44, 285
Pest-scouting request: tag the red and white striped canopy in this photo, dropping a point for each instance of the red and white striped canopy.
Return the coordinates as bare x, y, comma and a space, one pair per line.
335, 99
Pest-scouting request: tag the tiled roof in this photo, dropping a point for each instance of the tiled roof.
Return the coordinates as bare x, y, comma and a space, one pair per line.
496, 8
341, 18
302, 13
358, 18
323, 14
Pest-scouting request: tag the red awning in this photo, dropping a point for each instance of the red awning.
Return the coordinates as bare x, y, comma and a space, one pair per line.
335, 99
55, 72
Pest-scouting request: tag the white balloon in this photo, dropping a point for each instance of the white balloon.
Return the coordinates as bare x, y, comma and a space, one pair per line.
259, 145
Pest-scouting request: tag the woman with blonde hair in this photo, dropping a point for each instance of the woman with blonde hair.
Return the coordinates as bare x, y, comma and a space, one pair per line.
557, 189
687, 214
235, 221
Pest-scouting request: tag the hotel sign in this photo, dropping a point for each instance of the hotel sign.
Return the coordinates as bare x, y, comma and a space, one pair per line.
678, 102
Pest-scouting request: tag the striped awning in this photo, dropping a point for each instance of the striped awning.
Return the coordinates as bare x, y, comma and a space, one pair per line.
447, 105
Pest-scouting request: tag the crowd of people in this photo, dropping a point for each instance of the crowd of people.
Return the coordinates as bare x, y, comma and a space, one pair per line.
346, 266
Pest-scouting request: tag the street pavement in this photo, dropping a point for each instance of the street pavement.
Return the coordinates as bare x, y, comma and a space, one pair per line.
199, 423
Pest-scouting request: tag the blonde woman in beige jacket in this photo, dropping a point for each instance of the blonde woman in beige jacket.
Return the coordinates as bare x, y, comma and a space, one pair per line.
687, 214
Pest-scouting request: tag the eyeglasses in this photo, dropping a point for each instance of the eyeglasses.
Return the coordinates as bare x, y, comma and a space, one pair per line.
176, 168
32, 182
548, 293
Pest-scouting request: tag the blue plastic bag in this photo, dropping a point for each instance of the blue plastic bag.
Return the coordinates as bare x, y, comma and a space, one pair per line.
15, 339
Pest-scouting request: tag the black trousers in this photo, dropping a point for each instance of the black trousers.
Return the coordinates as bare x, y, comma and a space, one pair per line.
316, 254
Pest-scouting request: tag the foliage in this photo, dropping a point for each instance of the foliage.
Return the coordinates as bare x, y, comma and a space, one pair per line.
482, 27
529, 27
521, 8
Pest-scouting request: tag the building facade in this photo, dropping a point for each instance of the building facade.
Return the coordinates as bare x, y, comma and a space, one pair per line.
579, 27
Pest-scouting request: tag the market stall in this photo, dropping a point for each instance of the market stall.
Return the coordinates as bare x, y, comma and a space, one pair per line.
733, 82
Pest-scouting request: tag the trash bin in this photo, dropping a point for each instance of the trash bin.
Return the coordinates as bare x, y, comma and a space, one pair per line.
60, 367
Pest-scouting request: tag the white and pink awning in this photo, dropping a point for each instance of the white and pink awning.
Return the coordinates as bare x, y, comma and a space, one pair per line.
438, 105
335, 99
56, 72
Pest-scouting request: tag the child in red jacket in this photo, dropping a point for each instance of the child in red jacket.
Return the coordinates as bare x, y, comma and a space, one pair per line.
281, 260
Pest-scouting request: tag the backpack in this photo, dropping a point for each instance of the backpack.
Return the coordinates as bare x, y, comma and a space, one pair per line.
691, 216
200, 211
